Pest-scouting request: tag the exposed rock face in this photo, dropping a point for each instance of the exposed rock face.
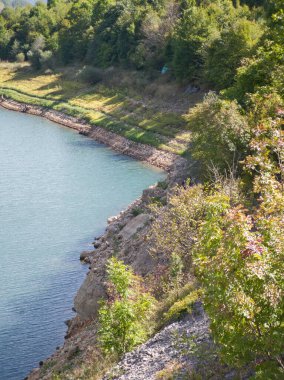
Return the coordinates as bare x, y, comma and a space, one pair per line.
119, 240
125, 237
133, 226
186, 347
132, 248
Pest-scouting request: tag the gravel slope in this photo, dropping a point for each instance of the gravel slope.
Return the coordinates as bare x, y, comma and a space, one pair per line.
164, 348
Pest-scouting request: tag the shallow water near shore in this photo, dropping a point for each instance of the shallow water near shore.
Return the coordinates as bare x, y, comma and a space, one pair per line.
57, 190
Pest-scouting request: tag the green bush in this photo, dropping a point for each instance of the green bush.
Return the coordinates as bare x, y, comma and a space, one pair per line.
90, 75
220, 134
137, 211
20, 57
239, 260
124, 315
182, 306
163, 185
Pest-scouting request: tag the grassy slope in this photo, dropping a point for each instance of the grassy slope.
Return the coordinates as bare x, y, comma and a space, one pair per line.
103, 105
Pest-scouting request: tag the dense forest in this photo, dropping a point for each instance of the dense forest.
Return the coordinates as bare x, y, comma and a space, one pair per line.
215, 42
228, 228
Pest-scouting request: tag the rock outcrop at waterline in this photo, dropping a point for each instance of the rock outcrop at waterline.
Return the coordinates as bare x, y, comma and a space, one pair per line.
142, 152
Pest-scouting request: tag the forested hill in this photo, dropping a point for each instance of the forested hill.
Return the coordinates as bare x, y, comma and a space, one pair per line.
220, 233
213, 42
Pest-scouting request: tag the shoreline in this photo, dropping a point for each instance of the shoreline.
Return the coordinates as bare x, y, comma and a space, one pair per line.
92, 286
142, 152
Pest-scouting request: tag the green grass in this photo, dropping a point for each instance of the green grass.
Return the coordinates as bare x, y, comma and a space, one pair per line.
176, 304
99, 105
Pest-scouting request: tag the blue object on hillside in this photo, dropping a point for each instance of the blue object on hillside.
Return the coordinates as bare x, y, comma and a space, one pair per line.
165, 69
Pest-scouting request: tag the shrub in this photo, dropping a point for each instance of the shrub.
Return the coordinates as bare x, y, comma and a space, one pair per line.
182, 306
20, 57
239, 260
90, 75
123, 316
220, 134
163, 185
137, 211
174, 229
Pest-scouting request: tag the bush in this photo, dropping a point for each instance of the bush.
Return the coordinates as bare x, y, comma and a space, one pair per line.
20, 57
90, 75
174, 229
124, 315
239, 260
137, 211
220, 134
182, 306
163, 185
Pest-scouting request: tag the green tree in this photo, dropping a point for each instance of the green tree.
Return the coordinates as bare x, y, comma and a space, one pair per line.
123, 316
239, 258
191, 34
220, 134
225, 54
76, 31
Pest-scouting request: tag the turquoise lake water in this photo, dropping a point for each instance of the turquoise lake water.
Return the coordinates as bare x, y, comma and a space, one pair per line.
57, 190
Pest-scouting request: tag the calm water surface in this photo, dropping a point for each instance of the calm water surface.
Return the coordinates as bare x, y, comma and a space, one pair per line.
57, 189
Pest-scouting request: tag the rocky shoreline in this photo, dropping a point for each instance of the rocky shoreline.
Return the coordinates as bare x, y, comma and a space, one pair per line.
141, 152
125, 236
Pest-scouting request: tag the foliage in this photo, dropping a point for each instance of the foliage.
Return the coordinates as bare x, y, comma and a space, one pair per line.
191, 34
192, 38
173, 304
20, 57
230, 228
239, 259
174, 229
237, 245
265, 67
182, 306
225, 54
220, 133
124, 315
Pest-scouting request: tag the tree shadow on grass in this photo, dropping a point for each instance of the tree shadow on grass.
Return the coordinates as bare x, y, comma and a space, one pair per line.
133, 119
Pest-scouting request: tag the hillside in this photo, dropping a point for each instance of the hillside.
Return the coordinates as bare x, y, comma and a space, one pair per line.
157, 120
187, 283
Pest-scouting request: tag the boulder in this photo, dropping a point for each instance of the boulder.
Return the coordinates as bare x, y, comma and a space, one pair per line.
85, 256
133, 226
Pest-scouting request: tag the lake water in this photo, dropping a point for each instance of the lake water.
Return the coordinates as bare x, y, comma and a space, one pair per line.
57, 190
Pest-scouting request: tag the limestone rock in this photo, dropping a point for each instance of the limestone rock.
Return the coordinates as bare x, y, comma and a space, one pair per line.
133, 226
87, 297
